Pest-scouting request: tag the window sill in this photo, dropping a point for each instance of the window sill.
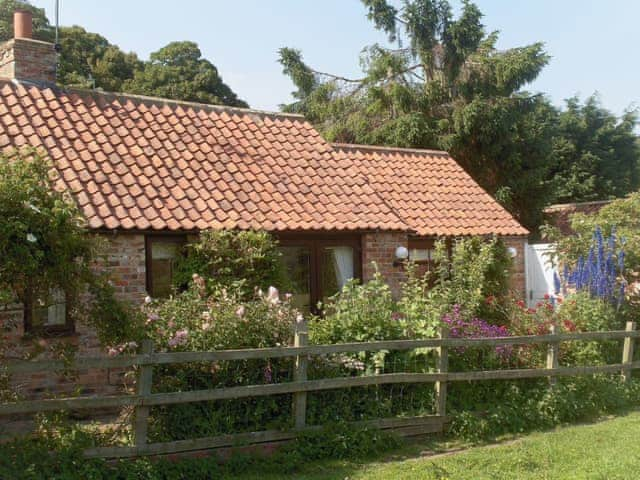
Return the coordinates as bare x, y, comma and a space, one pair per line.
51, 332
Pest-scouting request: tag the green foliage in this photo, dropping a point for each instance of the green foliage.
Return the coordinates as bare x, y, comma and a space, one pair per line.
197, 321
476, 270
245, 259
59, 455
89, 60
43, 244
596, 154
42, 30
178, 71
449, 88
359, 313
114, 321
45, 247
621, 216
525, 406
585, 313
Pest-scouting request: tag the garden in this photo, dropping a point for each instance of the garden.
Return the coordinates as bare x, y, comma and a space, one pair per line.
231, 293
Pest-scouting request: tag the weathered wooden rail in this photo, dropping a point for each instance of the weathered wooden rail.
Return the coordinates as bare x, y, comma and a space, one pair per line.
143, 399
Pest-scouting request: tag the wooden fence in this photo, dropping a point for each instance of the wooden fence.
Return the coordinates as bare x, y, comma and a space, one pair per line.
143, 398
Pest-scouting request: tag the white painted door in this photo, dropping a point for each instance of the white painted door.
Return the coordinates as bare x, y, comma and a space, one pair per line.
540, 272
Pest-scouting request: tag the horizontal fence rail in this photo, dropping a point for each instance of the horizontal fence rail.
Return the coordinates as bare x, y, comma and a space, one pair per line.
300, 386
175, 358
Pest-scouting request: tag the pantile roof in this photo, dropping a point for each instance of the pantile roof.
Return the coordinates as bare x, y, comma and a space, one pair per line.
140, 163
430, 191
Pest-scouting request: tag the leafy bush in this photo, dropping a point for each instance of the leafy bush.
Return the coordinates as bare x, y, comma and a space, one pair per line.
59, 455
45, 247
526, 406
196, 320
477, 269
464, 359
247, 259
43, 242
359, 313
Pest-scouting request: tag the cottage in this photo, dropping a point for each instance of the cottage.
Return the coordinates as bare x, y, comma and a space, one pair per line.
149, 172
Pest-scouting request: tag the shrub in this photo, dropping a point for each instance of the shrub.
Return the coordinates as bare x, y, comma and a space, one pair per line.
477, 269
246, 259
44, 247
359, 313
196, 320
526, 406
43, 242
59, 456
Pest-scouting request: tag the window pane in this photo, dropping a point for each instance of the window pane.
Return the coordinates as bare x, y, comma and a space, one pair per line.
421, 254
297, 263
51, 311
336, 269
163, 256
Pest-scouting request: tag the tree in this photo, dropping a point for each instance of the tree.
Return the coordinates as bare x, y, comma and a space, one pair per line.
42, 30
178, 71
89, 60
447, 86
596, 154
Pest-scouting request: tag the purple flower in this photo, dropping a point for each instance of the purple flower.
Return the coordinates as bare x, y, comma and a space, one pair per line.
600, 273
180, 338
476, 328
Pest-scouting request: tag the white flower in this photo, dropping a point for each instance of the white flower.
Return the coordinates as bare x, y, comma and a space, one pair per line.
273, 295
32, 207
206, 326
147, 299
31, 238
240, 311
205, 315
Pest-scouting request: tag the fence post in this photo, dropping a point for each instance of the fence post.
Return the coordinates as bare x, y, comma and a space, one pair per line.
442, 366
552, 354
300, 374
143, 387
627, 352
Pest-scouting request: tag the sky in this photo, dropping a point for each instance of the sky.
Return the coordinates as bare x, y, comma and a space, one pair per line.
593, 43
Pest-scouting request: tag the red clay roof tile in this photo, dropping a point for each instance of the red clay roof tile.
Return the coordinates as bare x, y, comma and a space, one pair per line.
140, 163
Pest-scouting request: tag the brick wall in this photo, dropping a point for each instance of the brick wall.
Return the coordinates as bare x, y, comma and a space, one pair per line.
28, 59
124, 259
380, 248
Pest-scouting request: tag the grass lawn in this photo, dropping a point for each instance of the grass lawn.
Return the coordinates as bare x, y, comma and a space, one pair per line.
604, 450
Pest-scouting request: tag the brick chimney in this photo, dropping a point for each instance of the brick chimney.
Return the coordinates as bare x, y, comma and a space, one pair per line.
25, 59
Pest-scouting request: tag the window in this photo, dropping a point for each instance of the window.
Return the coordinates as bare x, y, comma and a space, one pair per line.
162, 252
422, 250
318, 267
48, 314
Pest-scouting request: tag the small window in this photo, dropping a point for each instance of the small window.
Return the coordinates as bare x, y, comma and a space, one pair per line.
421, 255
162, 253
48, 314
422, 250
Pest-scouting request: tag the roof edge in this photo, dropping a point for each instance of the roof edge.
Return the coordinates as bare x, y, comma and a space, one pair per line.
558, 207
160, 101
356, 146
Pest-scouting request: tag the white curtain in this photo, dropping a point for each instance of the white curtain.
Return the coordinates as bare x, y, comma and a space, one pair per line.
343, 258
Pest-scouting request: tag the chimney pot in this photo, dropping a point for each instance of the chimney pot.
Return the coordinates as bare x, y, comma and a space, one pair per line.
22, 24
